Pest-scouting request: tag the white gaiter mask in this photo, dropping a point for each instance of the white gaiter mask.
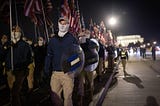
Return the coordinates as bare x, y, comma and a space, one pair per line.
40, 43
63, 29
15, 36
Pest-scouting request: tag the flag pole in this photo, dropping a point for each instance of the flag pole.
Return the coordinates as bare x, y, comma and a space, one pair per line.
16, 12
45, 24
10, 13
83, 23
52, 29
38, 32
35, 32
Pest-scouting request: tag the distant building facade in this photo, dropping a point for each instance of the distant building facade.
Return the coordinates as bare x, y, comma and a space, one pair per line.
124, 40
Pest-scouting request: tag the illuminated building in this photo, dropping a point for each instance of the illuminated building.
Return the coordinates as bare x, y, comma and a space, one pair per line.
126, 39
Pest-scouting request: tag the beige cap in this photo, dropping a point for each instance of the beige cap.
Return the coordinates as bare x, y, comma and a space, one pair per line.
63, 19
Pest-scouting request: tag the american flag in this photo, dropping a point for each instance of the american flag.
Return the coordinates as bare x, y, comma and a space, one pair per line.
91, 27
33, 9
28, 7
83, 23
48, 6
73, 14
65, 9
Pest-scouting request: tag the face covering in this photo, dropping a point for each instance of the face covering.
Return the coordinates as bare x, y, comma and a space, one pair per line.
40, 43
83, 39
15, 36
63, 29
29, 42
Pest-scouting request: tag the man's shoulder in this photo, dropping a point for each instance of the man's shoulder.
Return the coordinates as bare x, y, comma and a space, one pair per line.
22, 42
70, 34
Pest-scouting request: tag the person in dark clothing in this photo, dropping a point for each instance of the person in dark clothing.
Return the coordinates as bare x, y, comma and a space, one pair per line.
30, 77
39, 54
144, 52
110, 49
59, 44
21, 59
3, 50
100, 67
124, 57
154, 52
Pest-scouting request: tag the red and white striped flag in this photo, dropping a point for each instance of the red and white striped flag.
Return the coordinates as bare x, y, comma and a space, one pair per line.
73, 15
28, 7
48, 6
75, 24
33, 8
65, 9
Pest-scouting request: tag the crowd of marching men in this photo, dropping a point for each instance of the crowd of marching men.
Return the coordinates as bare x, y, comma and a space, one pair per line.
32, 58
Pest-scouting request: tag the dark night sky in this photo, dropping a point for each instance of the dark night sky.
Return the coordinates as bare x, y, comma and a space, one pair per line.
134, 16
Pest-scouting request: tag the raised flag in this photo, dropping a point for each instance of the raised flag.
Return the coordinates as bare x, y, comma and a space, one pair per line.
28, 7
48, 6
33, 9
83, 23
91, 27
65, 12
48, 21
72, 13
75, 24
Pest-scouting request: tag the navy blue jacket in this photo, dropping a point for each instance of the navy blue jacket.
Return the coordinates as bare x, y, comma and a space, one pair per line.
56, 47
22, 56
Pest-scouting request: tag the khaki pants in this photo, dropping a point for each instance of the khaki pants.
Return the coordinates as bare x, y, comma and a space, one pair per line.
86, 85
62, 81
30, 77
110, 62
15, 82
10, 79
100, 67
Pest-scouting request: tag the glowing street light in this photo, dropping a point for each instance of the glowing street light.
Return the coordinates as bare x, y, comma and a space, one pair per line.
112, 21
154, 42
148, 44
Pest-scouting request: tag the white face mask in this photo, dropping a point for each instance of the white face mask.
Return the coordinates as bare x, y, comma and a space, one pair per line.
83, 39
40, 43
63, 29
29, 42
15, 36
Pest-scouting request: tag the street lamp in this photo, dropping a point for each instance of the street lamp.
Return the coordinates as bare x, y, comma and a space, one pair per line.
154, 42
148, 44
112, 21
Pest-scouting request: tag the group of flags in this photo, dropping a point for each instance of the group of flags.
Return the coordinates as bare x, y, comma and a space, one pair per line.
36, 9
72, 12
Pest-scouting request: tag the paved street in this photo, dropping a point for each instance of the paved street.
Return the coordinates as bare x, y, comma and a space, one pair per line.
140, 89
